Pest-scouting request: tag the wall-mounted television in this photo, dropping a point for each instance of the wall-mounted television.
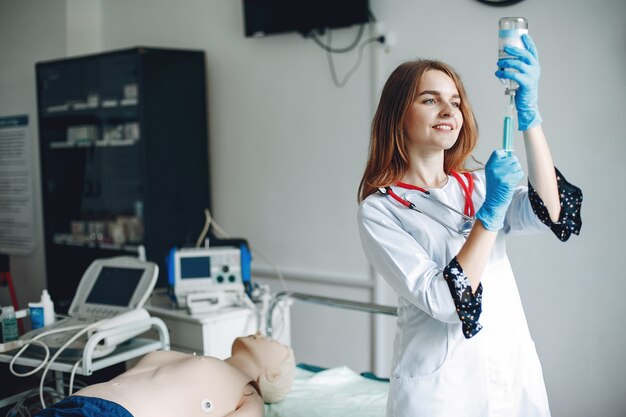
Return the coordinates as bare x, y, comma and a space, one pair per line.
265, 17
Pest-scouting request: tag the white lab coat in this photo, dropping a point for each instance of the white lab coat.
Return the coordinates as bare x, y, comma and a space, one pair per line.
436, 372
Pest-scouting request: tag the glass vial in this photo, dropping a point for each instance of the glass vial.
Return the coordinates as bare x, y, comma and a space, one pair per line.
9, 324
510, 33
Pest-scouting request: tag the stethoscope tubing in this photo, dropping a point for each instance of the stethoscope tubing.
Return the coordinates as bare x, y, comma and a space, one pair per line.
431, 197
468, 220
462, 232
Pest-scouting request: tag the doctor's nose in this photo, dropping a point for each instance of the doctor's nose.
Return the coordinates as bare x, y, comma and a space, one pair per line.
447, 110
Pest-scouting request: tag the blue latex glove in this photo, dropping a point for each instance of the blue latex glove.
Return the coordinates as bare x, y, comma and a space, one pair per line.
526, 61
502, 173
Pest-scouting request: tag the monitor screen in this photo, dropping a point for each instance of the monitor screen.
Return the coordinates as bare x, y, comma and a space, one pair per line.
264, 17
195, 267
115, 286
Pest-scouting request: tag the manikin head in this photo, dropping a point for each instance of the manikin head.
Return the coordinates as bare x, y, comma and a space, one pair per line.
270, 362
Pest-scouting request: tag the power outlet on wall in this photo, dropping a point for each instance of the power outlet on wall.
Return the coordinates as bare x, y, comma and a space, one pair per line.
386, 38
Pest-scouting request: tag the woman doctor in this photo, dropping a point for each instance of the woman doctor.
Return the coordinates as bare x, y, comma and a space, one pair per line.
434, 230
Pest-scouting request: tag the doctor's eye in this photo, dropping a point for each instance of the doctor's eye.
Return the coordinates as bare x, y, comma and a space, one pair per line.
456, 104
429, 101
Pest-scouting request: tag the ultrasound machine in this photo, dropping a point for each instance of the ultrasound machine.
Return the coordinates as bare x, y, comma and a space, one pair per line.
111, 293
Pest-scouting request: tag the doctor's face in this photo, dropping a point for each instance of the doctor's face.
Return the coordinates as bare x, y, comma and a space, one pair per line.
434, 120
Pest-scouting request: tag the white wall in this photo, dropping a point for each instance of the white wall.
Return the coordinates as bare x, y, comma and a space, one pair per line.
288, 148
29, 32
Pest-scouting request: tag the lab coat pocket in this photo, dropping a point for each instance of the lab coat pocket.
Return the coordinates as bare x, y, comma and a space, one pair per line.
426, 358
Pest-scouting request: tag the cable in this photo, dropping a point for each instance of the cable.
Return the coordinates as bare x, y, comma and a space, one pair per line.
329, 48
221, 233
19, 409
279, 274
41, 365
205, 229
36, 340
333, 73
72, 374
58, 353
278, 332
210, 222
82, 329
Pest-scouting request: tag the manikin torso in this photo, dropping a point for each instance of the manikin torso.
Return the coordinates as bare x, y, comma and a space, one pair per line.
167, 383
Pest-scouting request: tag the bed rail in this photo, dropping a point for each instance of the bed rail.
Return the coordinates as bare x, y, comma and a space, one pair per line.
328, 301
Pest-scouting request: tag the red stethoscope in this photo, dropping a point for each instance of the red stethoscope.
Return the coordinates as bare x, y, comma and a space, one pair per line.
468, 211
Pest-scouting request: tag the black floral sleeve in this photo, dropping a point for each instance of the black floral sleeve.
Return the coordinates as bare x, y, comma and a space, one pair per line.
468, 304
571, 200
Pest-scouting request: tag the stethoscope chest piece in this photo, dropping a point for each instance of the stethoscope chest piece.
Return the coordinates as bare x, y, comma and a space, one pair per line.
466, 227
468, 220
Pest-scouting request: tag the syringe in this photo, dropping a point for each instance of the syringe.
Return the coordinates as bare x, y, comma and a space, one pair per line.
507, 133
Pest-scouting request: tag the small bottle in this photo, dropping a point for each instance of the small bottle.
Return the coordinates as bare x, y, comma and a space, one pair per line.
42, 313
35, 311
510, 33
9, 324
48, 308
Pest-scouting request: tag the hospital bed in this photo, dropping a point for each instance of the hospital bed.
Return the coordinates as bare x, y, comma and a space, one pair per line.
333, 392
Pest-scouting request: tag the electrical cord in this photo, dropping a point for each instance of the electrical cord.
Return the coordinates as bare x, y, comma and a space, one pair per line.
210, 222
47, 361
45, 347
331, 64
328, 48
21, 410
72, 374
58, 353
205, 229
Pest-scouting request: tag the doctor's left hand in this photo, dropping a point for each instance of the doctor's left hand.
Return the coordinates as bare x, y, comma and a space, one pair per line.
526, 61
502, 173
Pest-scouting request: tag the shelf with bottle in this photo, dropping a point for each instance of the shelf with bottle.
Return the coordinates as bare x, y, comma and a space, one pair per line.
88, 135
128, 111
71, 108
123, 233
97, 143
124, 97
69, 240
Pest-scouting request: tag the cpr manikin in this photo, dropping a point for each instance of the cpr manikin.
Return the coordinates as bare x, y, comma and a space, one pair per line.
168, 383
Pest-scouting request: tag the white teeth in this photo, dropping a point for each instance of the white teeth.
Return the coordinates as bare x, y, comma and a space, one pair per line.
443, 127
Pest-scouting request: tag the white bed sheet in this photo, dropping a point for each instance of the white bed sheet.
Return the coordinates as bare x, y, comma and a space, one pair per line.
335, 392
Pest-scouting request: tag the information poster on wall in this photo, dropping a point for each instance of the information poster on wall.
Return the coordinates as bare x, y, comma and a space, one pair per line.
17, 235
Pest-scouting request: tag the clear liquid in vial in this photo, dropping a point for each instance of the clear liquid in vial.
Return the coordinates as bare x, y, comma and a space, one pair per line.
510, 33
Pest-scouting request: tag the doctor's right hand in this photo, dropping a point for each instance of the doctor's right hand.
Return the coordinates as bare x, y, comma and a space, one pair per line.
502, 174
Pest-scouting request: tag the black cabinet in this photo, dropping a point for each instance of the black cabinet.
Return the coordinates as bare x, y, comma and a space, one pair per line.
124, 158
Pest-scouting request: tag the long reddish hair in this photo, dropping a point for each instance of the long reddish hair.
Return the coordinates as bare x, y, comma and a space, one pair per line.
388, 157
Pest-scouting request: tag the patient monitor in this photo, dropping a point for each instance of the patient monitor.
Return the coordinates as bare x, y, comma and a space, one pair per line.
206, 279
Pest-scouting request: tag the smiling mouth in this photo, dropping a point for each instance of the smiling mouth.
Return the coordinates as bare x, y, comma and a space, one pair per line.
443, 127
